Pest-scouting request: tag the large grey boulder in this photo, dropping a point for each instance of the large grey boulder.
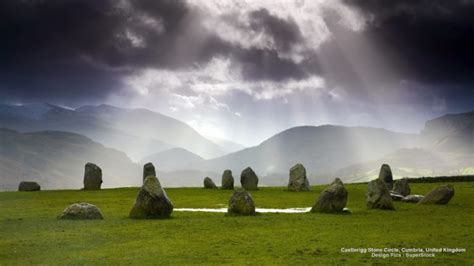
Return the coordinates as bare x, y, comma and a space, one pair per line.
248, 179
148, 169
92, 177
440, 195
298, 180
81, 211
402, 187
208, 183
332, 199
378, 195
152, 201
412, 198
227, 180
241, 203
385, 174
29, 186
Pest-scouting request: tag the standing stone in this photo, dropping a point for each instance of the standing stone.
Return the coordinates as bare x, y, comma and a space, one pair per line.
402, 187
412, 198
332, 199
378, 195
386, 175
298, 180
152, 201
248, 179
148, 169
208, 183
241, 203
92, 177
29, 186
81, 211
440, 195
227, 180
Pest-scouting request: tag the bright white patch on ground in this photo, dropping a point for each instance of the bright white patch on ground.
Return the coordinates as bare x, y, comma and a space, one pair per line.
261, 210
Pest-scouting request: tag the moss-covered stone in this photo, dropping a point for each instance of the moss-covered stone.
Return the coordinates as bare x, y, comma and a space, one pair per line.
241, 203
248, 179
402, 187
298, 180
386, 176
152, 201
209, 184
81, 211
378, 195
29, 186
148, 169
440, 195
332, 199
227, 180
92, 177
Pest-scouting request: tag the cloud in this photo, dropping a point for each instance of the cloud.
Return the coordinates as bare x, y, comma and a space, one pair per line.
430, 41
218, 78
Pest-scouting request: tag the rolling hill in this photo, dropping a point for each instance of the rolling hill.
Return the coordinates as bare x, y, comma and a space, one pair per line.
322, 150
56, 160
172, 159
137, 132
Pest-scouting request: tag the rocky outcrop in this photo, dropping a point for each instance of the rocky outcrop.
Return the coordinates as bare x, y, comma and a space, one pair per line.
332, 199
248, 179
29, 186
298, 180
148, 170
92, 177
81, 211
241, 203
227, 180
152, 201
208, 183
402, 187
378, 195
440, 195
385, 175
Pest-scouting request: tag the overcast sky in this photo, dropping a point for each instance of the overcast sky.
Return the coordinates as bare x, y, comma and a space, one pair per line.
245, 70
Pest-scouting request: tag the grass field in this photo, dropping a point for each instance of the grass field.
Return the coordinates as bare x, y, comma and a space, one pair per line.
31, 234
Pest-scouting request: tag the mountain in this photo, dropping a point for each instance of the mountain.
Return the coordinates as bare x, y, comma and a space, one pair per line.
56, 160
138, 132
172, 159
226, 145
322, 149
453, 133
410, 163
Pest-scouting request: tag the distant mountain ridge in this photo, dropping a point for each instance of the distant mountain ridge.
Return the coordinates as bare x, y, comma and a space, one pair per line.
444, 147
172, 159
452, 133
322, 149
138, 132
56, 160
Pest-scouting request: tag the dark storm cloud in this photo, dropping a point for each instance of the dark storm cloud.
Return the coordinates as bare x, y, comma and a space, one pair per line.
80, 49
432, 40
285, 33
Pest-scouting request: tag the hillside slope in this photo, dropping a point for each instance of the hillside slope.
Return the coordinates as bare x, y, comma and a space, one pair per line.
137, 132
321, 149
56, 160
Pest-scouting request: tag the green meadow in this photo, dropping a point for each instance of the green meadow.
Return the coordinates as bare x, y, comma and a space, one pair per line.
30, 233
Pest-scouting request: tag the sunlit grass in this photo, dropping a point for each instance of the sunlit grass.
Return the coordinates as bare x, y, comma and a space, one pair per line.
30, 232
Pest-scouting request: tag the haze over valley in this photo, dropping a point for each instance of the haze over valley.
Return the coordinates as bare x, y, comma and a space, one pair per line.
51, 145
